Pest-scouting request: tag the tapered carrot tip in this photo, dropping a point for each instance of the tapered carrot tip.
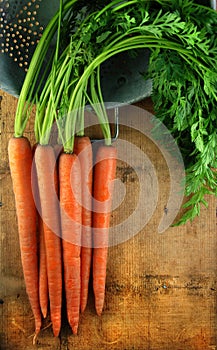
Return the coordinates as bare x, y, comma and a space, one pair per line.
44, 313
56, 331
37, 328
99, 303
83, 304
74, 329
34, 339
37, 331
99, 311
83, 307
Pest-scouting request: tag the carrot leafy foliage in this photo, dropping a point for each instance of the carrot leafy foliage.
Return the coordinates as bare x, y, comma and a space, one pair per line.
185, 100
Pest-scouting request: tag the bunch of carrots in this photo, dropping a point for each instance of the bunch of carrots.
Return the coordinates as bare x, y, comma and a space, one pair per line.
58, 192
61, 199
58, 208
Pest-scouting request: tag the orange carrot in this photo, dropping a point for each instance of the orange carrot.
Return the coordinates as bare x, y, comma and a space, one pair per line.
43, 279
43, 282
20, 159
104, 173
46, 173
70, 204
83, 148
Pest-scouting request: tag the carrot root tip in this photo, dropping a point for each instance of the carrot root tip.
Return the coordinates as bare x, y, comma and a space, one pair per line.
83, 307
56, 332
74, 329
44, 313
99, 311
34, 339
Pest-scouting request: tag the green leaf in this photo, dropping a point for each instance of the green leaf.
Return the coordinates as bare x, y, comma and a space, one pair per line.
199, 143
194, 131
86, 37
103, 37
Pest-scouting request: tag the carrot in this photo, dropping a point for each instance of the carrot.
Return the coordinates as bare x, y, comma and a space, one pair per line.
104, 173
46, 173
70, 204
43, 282
83, 148
43, 279
20, 159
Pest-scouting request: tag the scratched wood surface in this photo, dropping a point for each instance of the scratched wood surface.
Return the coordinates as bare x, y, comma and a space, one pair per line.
161, 288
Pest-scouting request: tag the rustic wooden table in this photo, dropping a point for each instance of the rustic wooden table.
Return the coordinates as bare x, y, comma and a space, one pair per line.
161, 288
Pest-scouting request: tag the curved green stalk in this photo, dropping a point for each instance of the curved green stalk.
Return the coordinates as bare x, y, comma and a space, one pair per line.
112, 5
137, 42
50, 109
115, 47
98, 105
99, 109
81, 113
123, 4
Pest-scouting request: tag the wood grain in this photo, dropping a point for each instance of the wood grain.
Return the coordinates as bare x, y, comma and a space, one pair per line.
161, 288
